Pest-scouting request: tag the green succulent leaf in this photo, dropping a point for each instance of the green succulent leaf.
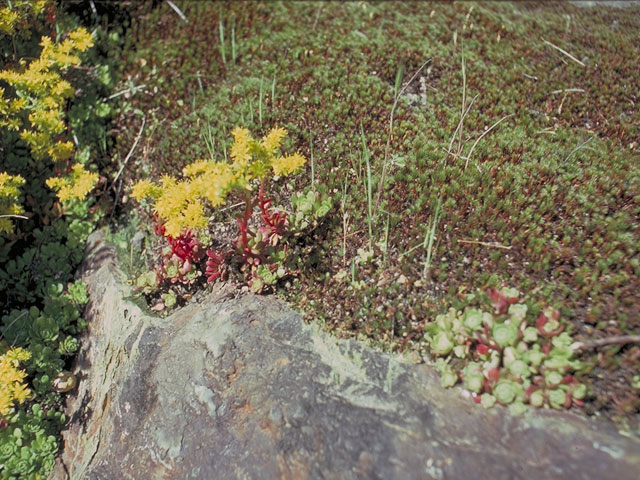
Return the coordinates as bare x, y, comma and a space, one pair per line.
505, 334
68, 346
517, 312
536, 399
448, 378
553, 378
535, 356
265, 273
520, 369
487, 400
506, 391
510, 292
473, 319
473, 377
517, 408
562, 342
530, 335
170, 299
557, 398
441, 343
460, 351
557, 361
78, 292
579, 391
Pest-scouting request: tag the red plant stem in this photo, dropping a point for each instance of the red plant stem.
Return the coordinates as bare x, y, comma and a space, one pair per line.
262, 202
243, 223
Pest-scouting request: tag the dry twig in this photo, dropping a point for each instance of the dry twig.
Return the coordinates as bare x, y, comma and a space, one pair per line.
603, 342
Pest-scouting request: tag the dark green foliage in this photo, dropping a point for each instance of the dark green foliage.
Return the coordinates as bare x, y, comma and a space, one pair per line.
40, 302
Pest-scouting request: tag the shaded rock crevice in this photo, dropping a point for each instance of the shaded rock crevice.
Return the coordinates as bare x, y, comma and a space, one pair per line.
240, 387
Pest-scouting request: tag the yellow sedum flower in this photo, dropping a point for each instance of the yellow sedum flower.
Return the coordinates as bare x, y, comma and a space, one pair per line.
271, 142
76, 185
145, 189
80, 40
197, 168
287, 165
9, 192
42, 93
12, 387
240, 150
19, 13
180, 204
8, 20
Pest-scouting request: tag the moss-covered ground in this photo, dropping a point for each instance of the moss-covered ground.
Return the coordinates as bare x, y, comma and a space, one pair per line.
538, 179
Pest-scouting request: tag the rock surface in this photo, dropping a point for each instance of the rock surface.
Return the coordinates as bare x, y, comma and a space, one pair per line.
240, 387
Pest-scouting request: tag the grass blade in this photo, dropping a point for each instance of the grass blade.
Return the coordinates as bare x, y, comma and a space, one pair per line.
368, 185
273, 91
233, 44
429, 237
222, 49
313, 164
260, 99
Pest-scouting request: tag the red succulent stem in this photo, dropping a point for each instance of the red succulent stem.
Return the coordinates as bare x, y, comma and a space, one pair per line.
527, 393
243, 224
264, 203
568, 401
483, 340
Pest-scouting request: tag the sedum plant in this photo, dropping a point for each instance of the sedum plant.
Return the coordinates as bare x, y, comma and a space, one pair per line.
13, 390
34, 105
41, 94
40, 318
18, 15
9, 206
180, 204
263, 248
505, 357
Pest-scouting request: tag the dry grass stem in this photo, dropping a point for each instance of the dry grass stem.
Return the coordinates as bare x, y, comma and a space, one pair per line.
459, 127
564, 51
133, 89
178, 11
128, 157
482, 136
568, 90
486, 244
603, 342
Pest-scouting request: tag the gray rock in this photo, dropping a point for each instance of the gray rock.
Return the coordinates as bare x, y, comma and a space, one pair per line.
240, 387
137, 242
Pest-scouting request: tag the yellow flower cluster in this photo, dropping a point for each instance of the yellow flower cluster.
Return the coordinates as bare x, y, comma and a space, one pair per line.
43, 93
180, 204
18, 12
76, 185
12, 387
287, 165
9, 185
